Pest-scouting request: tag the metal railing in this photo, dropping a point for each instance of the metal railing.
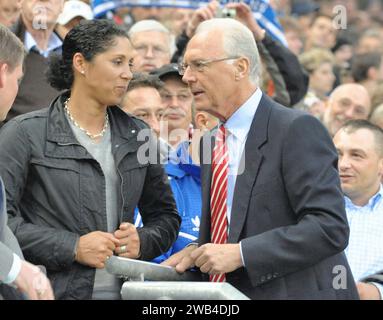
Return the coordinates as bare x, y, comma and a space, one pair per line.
150, 281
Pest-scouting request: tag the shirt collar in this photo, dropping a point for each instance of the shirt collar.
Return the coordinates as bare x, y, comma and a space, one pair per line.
374, 200
240, 122
54, 43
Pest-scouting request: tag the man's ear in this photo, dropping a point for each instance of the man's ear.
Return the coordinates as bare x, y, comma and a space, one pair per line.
200, 120
380, 166
372, 73
3, 74
242, 68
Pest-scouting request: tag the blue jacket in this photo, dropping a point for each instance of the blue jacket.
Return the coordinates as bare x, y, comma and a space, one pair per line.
184, 178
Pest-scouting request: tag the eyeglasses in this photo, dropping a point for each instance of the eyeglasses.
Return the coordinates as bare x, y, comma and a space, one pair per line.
200, 65
156, 50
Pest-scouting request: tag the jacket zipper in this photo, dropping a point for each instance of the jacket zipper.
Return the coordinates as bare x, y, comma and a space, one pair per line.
122, 196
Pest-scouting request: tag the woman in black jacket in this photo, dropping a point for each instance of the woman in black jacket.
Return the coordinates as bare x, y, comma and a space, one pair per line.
74, 172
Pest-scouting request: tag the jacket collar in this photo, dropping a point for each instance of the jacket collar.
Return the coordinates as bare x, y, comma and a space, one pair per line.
123, 128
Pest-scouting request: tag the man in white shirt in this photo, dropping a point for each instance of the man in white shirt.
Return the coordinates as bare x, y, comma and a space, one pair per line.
360, 147
26, 277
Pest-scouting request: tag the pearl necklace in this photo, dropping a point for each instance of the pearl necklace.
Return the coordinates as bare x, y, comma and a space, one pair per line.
92, 136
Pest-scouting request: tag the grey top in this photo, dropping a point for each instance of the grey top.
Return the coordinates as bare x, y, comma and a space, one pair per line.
106, 286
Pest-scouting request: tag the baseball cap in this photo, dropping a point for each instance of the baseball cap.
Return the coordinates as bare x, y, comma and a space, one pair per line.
303, 7
167, 69
73, 9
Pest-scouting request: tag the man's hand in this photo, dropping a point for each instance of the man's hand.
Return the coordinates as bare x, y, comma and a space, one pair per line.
95, 248
245, 16
367, 291
217, 258
200, 15
181, 260
129, 246
32, 282
210, 258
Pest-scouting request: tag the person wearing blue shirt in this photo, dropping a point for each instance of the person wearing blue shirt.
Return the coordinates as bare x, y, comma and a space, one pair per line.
360, 147
184, 176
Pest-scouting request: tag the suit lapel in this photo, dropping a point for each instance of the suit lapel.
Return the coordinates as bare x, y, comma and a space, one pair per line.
252, 158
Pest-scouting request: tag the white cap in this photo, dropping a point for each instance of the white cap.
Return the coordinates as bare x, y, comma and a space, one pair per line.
73, 9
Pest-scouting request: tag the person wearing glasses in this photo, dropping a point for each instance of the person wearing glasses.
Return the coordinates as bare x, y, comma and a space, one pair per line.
349, 101
273, 220
153, 44
177, 100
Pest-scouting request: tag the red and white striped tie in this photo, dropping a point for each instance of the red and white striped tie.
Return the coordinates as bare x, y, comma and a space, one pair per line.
218, 199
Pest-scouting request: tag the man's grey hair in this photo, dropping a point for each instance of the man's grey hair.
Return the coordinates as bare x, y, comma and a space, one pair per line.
12, 50
152, 25
238, 41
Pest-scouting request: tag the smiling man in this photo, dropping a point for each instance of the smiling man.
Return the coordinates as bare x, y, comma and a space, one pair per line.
347, 102
360, 148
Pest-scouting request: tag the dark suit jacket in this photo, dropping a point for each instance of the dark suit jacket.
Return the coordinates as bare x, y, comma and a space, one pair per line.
288, 209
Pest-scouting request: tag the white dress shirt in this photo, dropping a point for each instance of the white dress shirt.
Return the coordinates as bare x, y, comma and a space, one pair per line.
54, 43
238, 127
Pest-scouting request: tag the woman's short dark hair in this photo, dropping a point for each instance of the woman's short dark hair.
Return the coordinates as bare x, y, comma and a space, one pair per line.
90, 37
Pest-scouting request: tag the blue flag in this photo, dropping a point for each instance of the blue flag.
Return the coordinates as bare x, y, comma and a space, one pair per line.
262, 11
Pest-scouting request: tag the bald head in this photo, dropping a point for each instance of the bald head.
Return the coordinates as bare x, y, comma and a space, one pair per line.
347, 102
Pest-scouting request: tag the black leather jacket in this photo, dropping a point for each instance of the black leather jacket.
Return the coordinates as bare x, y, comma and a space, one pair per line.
56, 193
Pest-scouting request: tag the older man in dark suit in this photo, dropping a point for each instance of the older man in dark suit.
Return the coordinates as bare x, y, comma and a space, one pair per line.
273, 219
